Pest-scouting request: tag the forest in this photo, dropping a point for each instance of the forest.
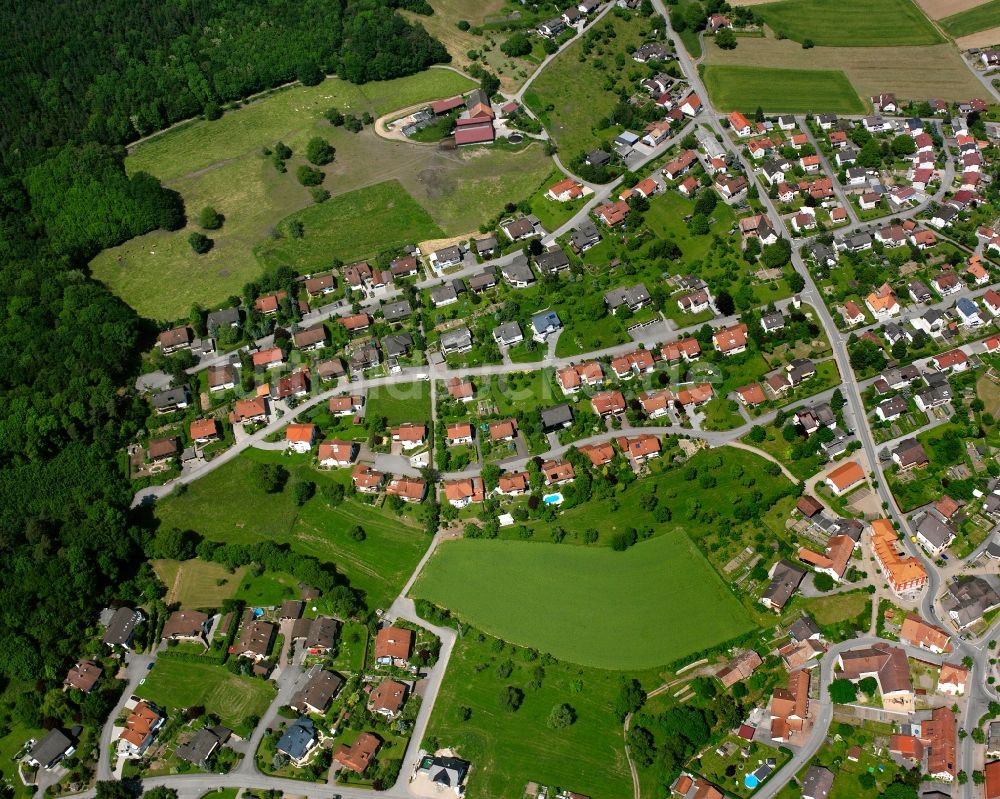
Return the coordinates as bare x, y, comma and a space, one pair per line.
73, 94
137, 66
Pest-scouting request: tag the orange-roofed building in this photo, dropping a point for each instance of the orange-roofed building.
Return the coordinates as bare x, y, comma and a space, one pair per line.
410, 435
557, 472
269, 358
752, 395
564, 190
599, 454
408, 489
730, 340
952, 679
300, 437
249, 410
991, 789
464, 492
917, 632
366, 479
687, 349
459, 433
903, 574
358, 756
461, 390
845, 477
513, 484
336, 453
882, 302
204, 430
608, 402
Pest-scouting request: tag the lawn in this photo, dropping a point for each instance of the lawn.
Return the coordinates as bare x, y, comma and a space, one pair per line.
835, 608
851, 23
511, 749
403, 402
226, 505
785, 90
220, 163
268, 590
197, 584
594, 606
350, 227
178, 684
972, 20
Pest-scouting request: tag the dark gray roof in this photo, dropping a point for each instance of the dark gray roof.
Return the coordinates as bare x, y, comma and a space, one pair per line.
223, 318
508, 331
556, 416
585, 234
459, 338
122, 625
397, 345
51, 748
785, 580
969, 598
394, 311
171, 397
803, 627
203, 744
552, 261
444, 293
297, 738
318, 692
818, 783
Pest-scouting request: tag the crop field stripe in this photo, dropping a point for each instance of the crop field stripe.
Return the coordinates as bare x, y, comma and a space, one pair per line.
780, 90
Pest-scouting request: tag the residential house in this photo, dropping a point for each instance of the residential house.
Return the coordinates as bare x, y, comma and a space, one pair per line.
919, 633
366, 480
882, 302
359, 755
83, 676
557, 473
543, 324
256, 637
463, 492
968, 599
387, 699
508, 334
393, 646
909, 454
410, 435
730, 340
739, 668
556, 418
187, 625
298, 741
175, 339
300, 437
336, 453
121, 626
141, 725
785, 577
50, 750
315, 696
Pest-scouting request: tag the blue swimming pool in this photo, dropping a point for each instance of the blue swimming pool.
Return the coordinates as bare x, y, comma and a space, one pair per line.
750, 781
553, 499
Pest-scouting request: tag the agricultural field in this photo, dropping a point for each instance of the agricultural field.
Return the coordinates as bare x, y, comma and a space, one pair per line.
939, 9
197, 584
870, 70
780, 90
177, 684
227, 506
588, 606
575, 90
980, 18
511, 749
350, 227
220, 164
852, 23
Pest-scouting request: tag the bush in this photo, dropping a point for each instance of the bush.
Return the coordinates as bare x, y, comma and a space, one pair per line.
303, 491
462, 25
200, 243
209, 218
319, 151
562, 716
516, 45
308, 176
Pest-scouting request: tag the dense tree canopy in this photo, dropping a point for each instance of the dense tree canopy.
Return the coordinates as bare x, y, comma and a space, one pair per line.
72, 95
139, 65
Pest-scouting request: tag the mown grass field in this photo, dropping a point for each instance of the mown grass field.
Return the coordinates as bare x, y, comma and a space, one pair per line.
220, 163
785, 90
227, 506
870, 70
511, 749
975, 19
349, 227
594, 606
177, 684
850, 23
196, 583
404, 402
